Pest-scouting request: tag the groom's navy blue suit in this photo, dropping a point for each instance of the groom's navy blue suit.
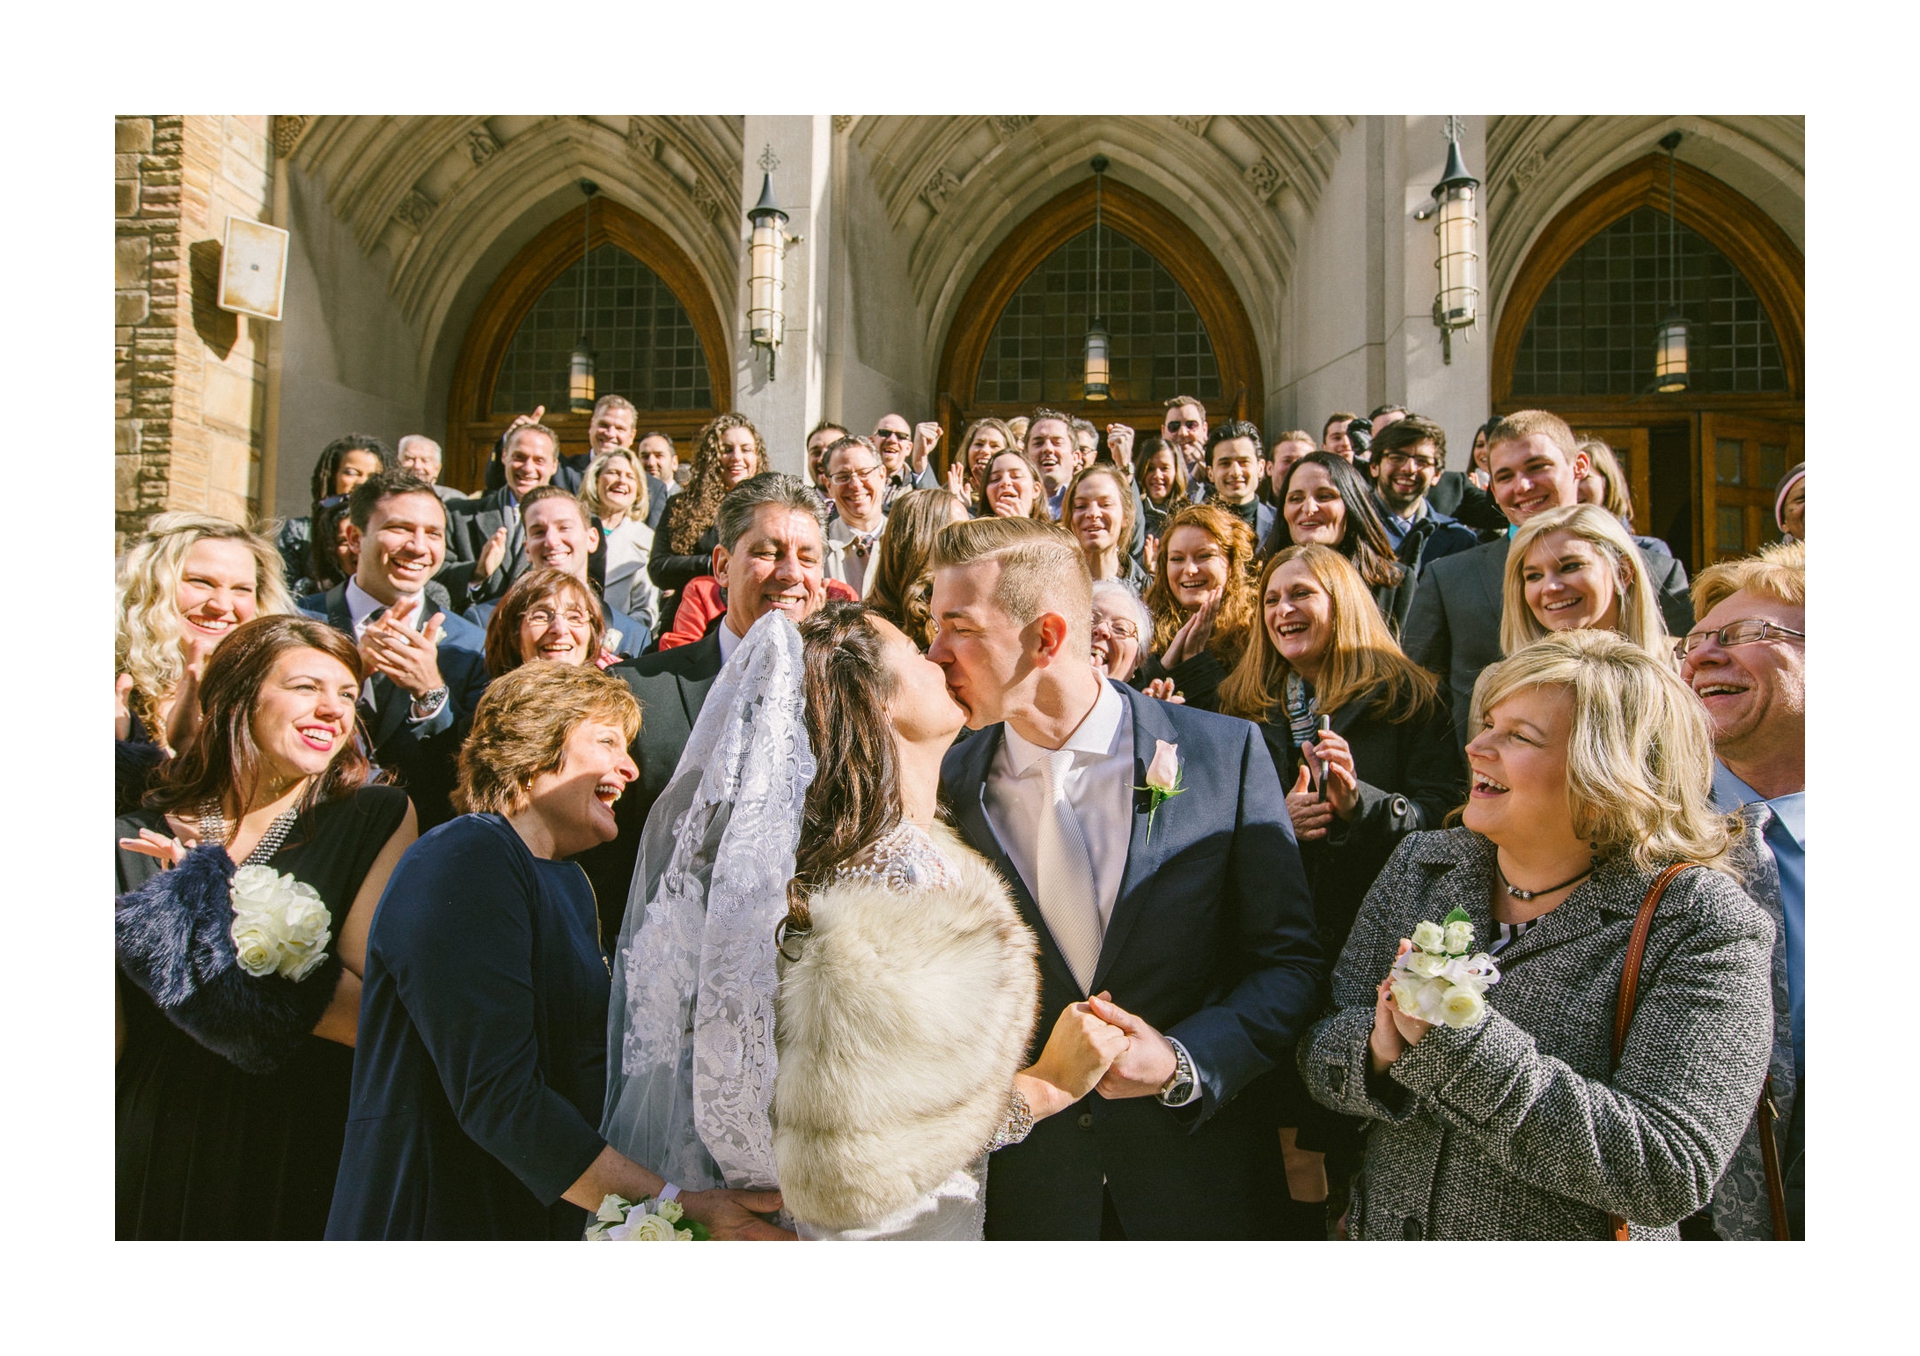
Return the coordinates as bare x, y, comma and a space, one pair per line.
1212, 942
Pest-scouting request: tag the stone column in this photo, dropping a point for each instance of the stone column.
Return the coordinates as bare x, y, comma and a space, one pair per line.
189, 378
1455, 394
784, 408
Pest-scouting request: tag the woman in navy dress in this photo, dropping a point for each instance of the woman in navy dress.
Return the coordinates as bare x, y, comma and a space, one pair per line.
481, 1068
230, 1089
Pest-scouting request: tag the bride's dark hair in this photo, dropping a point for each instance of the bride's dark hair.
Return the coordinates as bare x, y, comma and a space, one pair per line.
854, 800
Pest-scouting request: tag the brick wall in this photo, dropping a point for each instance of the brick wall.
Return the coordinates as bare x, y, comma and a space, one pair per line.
189, 378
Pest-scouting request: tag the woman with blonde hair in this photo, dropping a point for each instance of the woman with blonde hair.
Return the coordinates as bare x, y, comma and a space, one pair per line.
1203, 603
187, 582
982, 440
730, 451
1589, 862
1573, 568
1098, 510
614, 490
1606, 482
901, 584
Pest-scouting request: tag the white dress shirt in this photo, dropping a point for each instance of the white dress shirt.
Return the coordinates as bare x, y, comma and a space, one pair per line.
361, 606
842, 563
729, 642
1099, 786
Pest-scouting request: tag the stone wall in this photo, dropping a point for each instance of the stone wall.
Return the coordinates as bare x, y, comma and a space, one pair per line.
189, 378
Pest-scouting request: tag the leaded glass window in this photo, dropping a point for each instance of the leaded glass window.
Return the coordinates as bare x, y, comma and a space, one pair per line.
1593, 330
644, 344
1160, 347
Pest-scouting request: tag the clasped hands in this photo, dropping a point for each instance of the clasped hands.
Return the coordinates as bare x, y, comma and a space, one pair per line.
410, 659
1393, 1031
1098, 1046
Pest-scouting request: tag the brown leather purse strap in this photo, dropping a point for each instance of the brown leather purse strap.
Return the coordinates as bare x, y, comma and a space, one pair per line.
1770, 1163
1630, 982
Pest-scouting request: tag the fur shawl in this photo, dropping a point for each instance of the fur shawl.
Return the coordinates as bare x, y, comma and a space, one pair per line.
899, 1031
174, 938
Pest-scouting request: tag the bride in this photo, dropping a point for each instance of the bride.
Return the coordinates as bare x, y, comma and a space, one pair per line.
820, 990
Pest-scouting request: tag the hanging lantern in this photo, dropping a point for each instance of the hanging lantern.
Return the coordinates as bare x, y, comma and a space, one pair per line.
1456, 306
1670, 346
766, 257
1097, 344
580, 365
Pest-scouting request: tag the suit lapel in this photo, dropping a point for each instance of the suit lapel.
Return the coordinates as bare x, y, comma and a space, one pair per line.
694, 687
969, 798
339, 617
1146, 846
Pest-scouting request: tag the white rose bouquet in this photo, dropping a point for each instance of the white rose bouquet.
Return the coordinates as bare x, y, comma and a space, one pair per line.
1437, 981
620, 1220
280, 925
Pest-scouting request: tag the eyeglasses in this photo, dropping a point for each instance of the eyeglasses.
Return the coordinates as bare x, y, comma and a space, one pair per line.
1746, 632
542, 617
847, 477
1117, 627
1401, 458
899, 435
1175, 425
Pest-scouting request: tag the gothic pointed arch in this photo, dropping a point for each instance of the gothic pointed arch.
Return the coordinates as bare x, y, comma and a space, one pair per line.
669, 334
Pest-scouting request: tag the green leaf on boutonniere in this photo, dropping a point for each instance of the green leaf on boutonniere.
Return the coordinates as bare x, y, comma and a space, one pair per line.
1456, 916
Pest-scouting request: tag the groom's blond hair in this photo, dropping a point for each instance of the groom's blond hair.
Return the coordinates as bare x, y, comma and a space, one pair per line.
1041, 568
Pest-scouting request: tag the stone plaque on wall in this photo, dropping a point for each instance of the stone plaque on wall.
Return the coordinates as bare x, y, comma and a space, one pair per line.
253, 268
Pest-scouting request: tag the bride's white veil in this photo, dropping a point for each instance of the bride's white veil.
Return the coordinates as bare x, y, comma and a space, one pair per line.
690, 1057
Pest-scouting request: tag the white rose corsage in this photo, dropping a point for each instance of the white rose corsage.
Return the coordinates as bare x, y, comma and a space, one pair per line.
280, 925
1165, 779
1437, 981
620, 1220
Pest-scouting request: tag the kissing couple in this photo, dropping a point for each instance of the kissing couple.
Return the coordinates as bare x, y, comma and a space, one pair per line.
1033, 1019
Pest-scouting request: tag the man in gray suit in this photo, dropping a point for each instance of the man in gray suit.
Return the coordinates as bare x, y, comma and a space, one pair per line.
1453, 626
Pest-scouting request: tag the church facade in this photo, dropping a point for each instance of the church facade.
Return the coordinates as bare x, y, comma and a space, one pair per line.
440, 271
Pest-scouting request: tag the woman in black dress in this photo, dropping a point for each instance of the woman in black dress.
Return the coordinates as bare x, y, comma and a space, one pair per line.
1387, 766
231, 1089
730, 451
481, 1069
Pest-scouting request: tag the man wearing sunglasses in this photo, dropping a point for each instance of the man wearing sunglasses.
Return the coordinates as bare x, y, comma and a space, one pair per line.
893, 440
1184, 428
1747, 660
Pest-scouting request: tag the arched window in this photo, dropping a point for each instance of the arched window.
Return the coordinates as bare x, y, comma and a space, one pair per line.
1592, 332
1160, 346
644, 343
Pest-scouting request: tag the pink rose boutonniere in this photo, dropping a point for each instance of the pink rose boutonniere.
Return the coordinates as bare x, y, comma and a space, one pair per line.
1163, 778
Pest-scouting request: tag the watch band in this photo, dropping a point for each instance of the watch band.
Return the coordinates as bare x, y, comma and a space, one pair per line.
1178, 1089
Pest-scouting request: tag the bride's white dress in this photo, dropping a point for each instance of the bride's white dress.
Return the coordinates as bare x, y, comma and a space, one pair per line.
692, 1058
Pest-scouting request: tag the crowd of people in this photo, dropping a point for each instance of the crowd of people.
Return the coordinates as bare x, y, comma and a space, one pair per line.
1021, 848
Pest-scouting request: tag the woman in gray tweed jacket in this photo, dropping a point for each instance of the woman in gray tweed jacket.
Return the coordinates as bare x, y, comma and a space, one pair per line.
1590, 773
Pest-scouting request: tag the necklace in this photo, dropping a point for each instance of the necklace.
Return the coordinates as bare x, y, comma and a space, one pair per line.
213, 829
1518, 893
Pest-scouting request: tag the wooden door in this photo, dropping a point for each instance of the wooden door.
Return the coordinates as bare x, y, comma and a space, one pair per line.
1630, 449
1741, 460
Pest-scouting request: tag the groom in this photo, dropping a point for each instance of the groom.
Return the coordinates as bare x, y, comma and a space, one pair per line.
1191, 916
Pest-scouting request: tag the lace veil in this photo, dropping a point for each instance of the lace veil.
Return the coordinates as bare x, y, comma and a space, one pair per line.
690, 1055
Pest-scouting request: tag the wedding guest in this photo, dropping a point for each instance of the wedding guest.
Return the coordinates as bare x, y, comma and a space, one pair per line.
1325, 502
486, 544
334, 525
1236, 466
983, 439
1333, 435
1288, 448
1409, 461
824, 435
1746, 660
660, 459
1017, 426
183, 586
1050, 447
1120, 620
857, 484
1183, 429
1010, 487
730, 451
343, 463
560, 536
230, 1087
425, 669
547, 614
611, 428
900, 579
615, 493
1576, 567
1100, 515
1451, 630
1477, 470
1606, 483
1365, 748
1203, 604
1790, 504
1189, 928
421, 455
1590, 766
478, 1081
